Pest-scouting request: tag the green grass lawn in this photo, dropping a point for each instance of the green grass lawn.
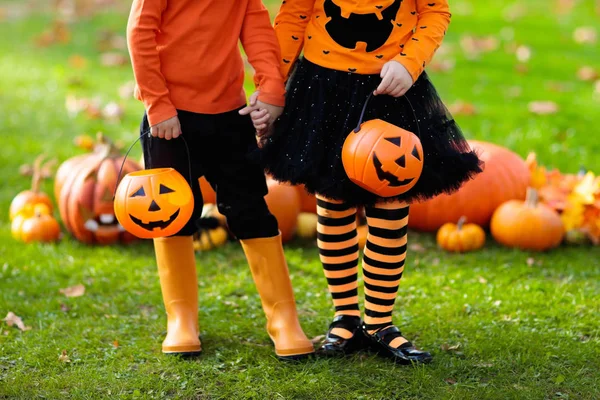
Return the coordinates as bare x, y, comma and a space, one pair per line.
501, 324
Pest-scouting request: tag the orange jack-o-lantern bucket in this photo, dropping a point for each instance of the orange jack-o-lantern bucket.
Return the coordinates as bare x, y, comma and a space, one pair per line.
382, 158
153, 203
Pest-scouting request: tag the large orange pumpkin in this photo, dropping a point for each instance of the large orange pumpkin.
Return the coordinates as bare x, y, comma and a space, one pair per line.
154, 202
383, 158
505, 177
284, 202
84, 186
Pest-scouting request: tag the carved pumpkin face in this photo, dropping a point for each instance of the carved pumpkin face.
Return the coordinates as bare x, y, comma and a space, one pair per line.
154, 203
383, 158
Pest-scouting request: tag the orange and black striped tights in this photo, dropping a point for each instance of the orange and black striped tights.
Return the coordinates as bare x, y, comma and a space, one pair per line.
383, 260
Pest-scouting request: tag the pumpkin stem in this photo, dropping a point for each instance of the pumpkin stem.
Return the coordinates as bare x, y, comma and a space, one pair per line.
37, 173
531, 200
106, 146
461, 222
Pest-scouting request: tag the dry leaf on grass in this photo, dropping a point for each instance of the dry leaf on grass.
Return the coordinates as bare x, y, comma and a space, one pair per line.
530, 261
462, 108
523, 53
482, 280
116, 344
112, 111
416, 247
77, 61
13, 319
73, 291
64, 357
585, 35
317, 339
450, 381
447, 347
126, 90
442, 65
587, 74
543, 107
113, 59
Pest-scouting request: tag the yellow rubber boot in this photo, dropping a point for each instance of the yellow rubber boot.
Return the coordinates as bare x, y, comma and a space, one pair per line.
270, 272
179, 284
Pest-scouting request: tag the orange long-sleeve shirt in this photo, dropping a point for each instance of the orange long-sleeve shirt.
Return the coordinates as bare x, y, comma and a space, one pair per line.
185, 55
360, 36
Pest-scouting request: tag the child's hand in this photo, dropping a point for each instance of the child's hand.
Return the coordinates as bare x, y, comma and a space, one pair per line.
395, 80
263, 114
169, 129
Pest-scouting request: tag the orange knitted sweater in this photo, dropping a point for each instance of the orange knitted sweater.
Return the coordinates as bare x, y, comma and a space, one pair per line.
185, 55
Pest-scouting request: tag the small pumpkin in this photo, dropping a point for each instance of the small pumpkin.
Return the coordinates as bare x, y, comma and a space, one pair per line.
210, 239
528, 225
35, 224
307, 225
32, 196
460, 237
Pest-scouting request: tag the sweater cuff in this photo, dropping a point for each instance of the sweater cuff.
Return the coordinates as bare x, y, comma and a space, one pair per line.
159, 112
272, 92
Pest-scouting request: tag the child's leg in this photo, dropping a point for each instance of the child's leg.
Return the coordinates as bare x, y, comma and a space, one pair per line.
241, 187
383, 265
175, 255
338, 249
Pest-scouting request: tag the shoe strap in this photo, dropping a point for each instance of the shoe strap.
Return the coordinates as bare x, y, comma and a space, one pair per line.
387, 335
348, 322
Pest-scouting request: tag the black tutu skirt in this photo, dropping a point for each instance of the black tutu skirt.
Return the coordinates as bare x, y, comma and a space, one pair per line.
323, 106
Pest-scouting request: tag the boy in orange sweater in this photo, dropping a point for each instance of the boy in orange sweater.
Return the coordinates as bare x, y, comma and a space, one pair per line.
189, 75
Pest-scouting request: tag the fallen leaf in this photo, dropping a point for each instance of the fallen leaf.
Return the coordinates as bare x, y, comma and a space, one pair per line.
522, 68
484, 365
474, 46
450, 381
317, 339
497, 303
585, 35
126, 90
112, 111
115, 344
73, 291
442, 65
447, 347
85, 142
482, 280
563, 7
12, 319
523, 53
64, 308
77, 61
112, 59
530, 261
63, 357
587, 74
416, 247
543, 107
462, 108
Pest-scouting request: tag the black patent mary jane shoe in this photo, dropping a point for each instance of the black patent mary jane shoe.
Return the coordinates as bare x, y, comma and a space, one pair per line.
406, 354
334, 345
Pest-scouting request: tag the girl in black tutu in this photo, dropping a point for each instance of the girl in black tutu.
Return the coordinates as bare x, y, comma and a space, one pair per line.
352, 49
